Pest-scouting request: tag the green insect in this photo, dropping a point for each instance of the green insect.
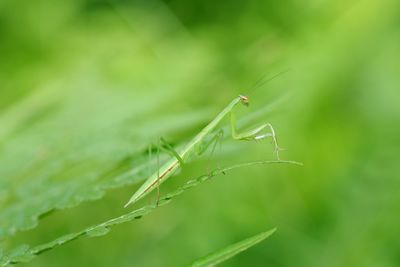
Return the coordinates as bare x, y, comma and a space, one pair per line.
199, 144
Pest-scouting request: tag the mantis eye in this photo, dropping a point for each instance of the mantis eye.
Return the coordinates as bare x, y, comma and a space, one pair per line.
244, 99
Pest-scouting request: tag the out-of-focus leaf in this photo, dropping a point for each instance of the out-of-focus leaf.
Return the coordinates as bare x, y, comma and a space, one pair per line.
61, 155
232, 250
24, 254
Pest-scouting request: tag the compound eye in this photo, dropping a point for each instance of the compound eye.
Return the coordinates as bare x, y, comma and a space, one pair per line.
244, 99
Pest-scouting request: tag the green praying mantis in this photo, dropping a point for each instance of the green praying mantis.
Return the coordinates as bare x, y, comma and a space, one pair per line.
200, 143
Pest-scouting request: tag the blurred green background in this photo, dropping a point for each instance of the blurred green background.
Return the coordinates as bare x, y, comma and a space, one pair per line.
87, 85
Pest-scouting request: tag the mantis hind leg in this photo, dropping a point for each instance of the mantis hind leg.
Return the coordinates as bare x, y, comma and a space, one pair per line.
162, 144
256, 134
158, 172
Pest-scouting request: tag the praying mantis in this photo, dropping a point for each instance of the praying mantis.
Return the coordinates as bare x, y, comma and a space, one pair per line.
199, 144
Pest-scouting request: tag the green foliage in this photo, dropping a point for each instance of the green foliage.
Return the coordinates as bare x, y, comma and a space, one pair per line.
86, 86
230, 251
25, 254
60, 169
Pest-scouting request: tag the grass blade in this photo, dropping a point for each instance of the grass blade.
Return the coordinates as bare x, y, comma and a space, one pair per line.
232, 250
26, 254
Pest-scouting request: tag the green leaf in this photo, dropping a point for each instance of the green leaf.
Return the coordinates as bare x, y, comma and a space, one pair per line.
232, 250
67, 152
24, 254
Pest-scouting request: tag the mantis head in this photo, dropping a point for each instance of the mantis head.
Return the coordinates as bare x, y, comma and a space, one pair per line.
244, 99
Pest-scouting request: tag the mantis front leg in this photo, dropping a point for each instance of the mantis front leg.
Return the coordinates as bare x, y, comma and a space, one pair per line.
255, 134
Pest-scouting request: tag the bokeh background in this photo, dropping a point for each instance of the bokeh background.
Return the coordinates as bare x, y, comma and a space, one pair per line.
87, 85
